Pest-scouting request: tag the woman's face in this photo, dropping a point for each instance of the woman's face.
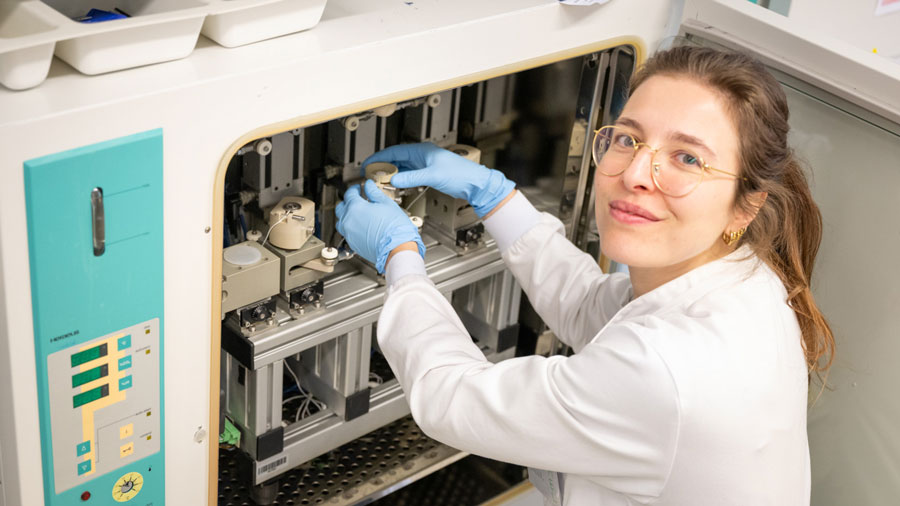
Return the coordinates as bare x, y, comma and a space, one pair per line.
665, 231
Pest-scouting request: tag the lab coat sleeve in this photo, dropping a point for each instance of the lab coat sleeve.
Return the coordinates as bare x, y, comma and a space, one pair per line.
610, 412
564, 284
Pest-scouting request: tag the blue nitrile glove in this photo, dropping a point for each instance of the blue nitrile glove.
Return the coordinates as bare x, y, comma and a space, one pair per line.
425, 164
373, 228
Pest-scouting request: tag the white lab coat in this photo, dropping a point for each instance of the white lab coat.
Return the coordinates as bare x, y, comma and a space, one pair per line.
692, 394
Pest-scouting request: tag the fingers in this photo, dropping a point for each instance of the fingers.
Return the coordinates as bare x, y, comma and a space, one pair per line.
374, 193
339, 225
404, 156
406, 166
397, 155
412, 179
352, 194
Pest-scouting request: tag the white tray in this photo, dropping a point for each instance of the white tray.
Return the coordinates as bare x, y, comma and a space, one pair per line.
239, 22
23, 30
31, 31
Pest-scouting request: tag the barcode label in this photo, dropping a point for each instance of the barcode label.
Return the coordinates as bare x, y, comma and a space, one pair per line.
265, 468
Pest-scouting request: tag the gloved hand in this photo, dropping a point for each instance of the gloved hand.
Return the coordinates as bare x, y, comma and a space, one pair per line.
425, 164
373, 228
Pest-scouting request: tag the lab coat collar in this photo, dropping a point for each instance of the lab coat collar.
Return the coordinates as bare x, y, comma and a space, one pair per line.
734, 267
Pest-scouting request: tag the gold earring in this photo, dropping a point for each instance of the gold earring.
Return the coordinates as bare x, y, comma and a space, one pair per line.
733, 237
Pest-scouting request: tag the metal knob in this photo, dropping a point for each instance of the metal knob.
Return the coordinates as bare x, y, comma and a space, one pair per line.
329, 255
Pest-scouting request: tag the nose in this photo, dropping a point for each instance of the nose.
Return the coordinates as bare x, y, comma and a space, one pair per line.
637, 175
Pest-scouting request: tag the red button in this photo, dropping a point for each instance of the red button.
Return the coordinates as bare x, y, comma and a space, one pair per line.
85, 495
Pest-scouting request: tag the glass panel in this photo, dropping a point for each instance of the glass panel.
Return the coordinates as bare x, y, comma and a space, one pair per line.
856, 168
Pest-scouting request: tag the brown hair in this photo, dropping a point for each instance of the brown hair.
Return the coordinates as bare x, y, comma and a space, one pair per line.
788, 227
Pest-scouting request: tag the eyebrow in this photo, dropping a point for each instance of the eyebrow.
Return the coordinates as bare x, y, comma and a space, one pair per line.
677, 136
630, 123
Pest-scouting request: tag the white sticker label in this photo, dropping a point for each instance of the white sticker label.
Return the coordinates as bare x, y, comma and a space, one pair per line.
271, 466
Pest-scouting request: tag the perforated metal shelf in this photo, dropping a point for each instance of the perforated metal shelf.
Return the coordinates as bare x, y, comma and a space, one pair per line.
359, 472
469, 482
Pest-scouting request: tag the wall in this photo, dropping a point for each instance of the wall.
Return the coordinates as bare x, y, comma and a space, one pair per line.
854, 444
854, 22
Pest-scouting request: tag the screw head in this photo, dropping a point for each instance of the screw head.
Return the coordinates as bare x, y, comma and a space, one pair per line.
260, 312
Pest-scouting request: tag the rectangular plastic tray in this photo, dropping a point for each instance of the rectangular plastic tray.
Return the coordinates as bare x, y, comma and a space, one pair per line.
239, 22
154, 31
25, 49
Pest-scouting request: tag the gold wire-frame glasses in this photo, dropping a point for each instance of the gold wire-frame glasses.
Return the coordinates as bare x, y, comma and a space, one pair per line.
676, 173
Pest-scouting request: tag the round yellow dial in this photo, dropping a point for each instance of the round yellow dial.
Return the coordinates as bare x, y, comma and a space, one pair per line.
127, 487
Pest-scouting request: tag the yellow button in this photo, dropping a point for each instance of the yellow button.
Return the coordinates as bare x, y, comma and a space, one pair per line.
126, 450
126, 431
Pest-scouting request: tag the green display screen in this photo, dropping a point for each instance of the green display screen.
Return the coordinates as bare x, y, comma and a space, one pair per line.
90, 375
87, 355
90, 396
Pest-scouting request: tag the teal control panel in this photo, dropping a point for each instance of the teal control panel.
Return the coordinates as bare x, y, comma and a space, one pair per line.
100, 417
95, 247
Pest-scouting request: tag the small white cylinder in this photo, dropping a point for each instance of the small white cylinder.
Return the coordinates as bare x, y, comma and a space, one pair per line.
385, 110
351, 123
263, 146
242, 254
468, 152
329, 255
381, 172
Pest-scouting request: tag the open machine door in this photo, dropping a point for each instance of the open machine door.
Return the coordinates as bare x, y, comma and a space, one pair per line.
845, 121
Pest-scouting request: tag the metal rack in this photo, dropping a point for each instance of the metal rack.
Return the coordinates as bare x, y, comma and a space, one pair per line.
348, 314
328, 347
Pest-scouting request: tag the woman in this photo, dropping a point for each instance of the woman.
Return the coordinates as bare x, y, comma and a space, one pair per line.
689, 380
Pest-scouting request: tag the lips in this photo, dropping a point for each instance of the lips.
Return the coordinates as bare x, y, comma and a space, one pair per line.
631, 212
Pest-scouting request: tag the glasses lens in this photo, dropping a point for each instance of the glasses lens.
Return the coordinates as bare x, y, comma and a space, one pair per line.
613, 150
676, 171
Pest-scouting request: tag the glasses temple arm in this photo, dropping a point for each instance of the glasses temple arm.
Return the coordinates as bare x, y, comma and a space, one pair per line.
707, 167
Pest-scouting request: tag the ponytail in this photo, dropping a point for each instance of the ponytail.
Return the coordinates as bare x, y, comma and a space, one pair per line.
786, 235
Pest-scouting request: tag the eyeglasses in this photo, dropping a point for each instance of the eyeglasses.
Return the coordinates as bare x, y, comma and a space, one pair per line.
675, 170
